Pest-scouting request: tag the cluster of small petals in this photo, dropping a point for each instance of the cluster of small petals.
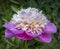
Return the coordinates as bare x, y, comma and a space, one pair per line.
30, 19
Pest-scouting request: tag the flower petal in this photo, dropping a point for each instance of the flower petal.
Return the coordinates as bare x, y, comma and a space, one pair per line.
33, 34
8, 34
12, 28
50, 28
24, 36
45, 38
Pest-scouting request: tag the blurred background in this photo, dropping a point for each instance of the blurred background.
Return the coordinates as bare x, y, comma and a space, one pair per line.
51, 8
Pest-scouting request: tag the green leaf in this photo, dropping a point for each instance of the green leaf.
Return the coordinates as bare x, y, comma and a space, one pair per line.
13, 1
8, 41
14, 8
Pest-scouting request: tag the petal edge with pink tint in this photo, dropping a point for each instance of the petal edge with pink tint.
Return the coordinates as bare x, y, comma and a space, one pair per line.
50, 28
8, 34
12, 28
45, 38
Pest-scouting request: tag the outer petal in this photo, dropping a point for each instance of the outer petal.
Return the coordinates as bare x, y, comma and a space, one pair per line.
45, 38
8, 34
24, 36
50, 28
12, 28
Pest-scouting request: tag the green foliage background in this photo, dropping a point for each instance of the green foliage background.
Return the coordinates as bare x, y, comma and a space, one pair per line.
51, 8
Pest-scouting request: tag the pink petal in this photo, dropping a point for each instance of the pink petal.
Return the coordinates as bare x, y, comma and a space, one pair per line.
8, 34
24, 36
34, 34
45, 38
50, 28
12, 28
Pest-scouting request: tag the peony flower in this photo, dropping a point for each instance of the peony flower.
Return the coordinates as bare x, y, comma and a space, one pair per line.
28, 24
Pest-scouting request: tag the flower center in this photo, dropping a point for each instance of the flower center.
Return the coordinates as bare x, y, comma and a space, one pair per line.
31, 27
